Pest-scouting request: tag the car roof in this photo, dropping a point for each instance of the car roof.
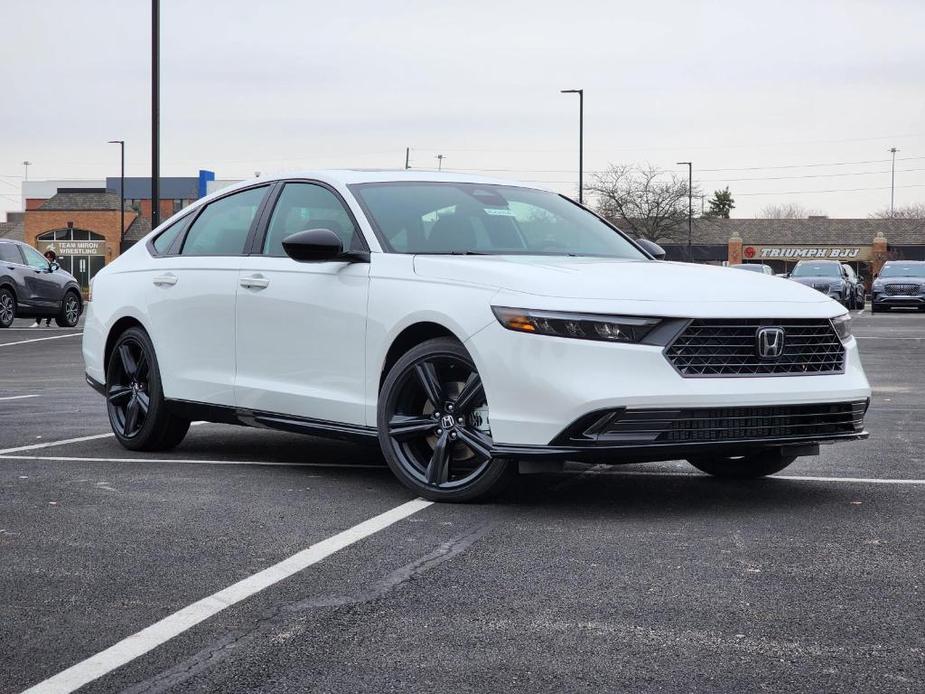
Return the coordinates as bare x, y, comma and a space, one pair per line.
906, 262
352, 176
820, 260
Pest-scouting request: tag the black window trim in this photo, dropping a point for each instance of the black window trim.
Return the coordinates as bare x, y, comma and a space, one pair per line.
256, 247
177, 246
18, 251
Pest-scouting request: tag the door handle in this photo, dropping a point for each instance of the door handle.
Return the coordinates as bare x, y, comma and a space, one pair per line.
255, 282
168, 279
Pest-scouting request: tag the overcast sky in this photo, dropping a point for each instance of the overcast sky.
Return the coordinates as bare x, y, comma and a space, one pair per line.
765, 91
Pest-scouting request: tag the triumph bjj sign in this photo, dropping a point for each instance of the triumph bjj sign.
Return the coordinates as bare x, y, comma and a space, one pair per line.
806, 252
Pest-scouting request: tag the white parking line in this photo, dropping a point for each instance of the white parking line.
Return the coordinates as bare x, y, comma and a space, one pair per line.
188, 461
18, 397
62, 442
160, 632
39, 339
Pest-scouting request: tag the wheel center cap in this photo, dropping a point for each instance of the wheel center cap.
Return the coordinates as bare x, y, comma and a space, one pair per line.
447, 421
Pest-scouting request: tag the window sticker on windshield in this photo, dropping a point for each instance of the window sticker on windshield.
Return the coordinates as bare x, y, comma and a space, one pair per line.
499, 211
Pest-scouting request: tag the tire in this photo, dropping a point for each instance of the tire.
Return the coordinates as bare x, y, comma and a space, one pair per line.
71, 308
7, 307
425, 395
134, 399
746, 467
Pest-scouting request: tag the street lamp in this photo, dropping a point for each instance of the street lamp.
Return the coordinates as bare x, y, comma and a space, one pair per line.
581, 138
26, 165
893, 151
121, 144
690, 206
155, 113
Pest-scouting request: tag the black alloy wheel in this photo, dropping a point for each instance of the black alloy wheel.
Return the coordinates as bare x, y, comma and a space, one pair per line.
137, 412
434, 426
7, 308
70, 311
745, 467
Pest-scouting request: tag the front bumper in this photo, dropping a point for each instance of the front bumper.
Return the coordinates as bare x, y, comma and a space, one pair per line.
537, 386
898, 300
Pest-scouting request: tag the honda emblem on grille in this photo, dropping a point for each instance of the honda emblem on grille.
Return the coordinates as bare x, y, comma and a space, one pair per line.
769, 342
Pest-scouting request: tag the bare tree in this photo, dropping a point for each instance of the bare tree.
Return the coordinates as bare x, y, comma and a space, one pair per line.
644, 200
788, 210
914, 211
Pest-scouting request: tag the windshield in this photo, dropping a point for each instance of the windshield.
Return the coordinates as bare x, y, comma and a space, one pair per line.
461, 218
816, 270
898, 270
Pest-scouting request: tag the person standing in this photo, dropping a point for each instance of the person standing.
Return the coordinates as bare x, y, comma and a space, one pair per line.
51, 257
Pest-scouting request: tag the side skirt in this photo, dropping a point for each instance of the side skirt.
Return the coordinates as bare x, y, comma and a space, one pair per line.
223, 414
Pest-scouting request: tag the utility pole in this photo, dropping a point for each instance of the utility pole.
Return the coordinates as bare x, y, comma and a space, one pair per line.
701, 204
439, 162
26, 165
893, 151
155, 114
581, 139
121, 144
407, 158
690, 207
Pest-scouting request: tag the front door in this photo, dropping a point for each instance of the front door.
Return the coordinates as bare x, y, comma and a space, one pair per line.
43, 291
191, 304
301, 327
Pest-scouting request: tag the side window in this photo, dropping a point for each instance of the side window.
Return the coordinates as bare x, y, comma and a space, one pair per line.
221, 228
10, 254
34, 258
165, 239
304, 206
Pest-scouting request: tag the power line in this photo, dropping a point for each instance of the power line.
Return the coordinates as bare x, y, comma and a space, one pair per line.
834, 190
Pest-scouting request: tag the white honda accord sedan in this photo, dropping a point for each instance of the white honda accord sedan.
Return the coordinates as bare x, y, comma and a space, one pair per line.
473, 326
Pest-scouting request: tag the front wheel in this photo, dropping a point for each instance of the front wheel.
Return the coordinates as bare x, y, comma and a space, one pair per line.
134, 398
70, 311
434, 427
743, 467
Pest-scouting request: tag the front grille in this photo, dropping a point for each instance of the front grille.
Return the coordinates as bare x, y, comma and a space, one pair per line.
723, 347
718, 424
901, 289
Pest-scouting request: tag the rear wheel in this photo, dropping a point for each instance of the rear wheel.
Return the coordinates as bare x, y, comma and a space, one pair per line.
70, 311
7, 308
134, 399
744, 467
434, 427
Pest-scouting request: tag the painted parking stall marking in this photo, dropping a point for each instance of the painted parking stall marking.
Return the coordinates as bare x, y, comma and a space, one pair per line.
19, 397
39, 339
160, 632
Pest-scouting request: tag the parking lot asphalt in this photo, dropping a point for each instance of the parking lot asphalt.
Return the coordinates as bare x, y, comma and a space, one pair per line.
637, 578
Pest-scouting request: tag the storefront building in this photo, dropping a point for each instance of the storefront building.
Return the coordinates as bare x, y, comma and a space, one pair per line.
865, 244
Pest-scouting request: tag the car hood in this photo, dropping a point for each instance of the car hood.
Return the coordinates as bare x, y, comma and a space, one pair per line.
616, 280
813, 279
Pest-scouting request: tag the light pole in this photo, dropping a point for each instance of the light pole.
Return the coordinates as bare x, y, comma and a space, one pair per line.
439, 162
26, 165
581, 138
690, 207
155, 114
893, 151
121, 144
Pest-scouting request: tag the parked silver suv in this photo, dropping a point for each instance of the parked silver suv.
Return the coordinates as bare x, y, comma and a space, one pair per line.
32, 287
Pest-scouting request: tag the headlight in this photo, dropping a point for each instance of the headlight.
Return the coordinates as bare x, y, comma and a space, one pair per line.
842, 325
877, 286
582, 326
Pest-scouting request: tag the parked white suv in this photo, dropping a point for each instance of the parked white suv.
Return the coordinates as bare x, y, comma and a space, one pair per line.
467, 324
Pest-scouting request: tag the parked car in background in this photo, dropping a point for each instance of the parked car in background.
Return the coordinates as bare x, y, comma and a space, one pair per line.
860, 292
899, 283
830, 278
32, 287
754, 267
466, 324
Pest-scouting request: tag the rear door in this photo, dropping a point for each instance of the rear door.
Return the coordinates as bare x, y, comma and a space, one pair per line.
301, 327
191, 305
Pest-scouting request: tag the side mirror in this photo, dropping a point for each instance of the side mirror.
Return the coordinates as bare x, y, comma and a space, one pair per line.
313, 245
651, 248
53, 267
